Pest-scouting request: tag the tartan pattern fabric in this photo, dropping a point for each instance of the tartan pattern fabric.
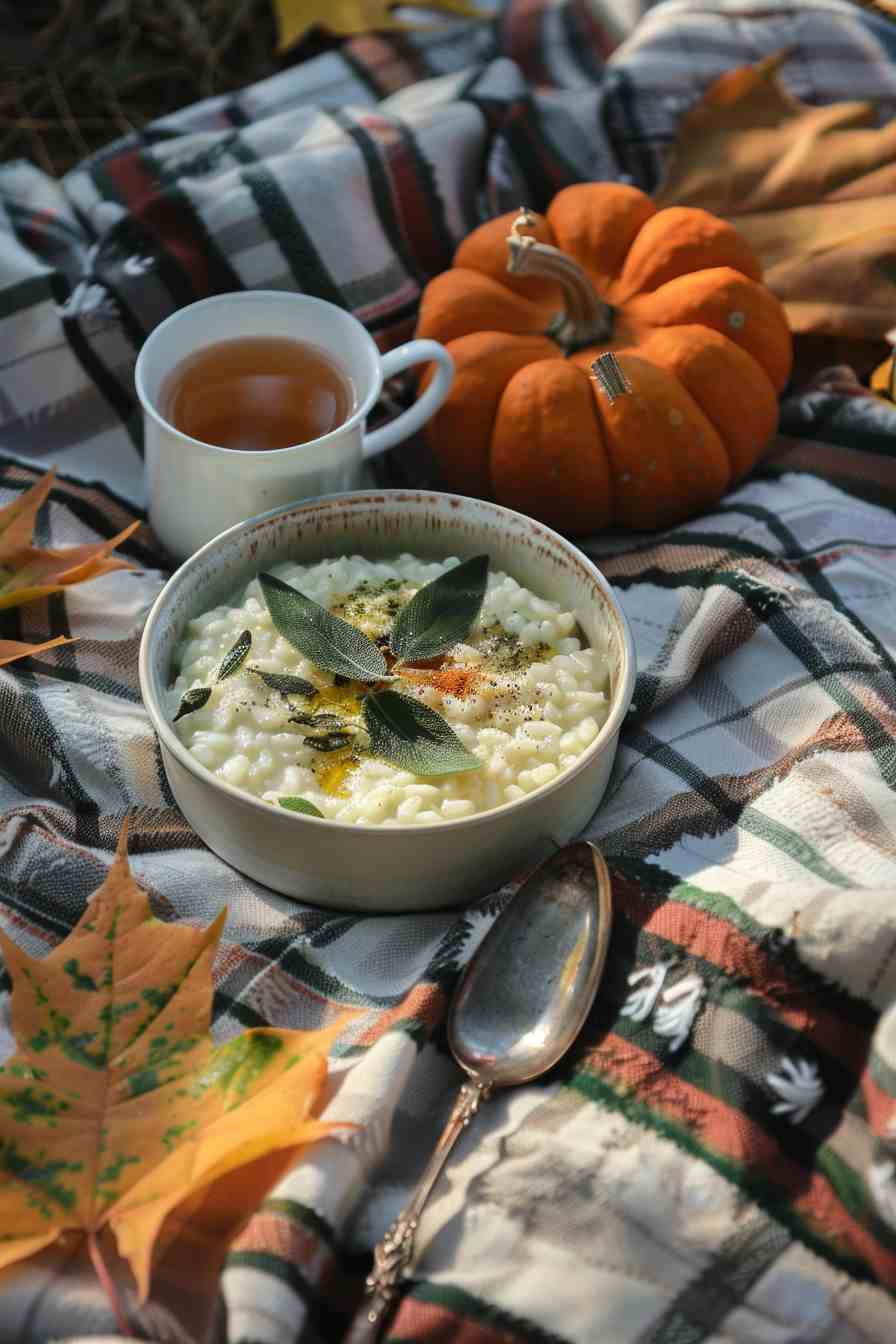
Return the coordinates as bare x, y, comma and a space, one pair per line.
715, 1159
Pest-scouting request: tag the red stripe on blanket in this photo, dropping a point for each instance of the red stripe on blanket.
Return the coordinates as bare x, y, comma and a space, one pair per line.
425, 1005
600, 38
835, 463
522, 31
413, 205
881, 1105
276, 1234
731, 1134
702, 934
163, 215
427, 1323
387, 64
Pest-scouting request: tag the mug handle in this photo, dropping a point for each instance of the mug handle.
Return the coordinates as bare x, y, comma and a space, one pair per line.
396, 361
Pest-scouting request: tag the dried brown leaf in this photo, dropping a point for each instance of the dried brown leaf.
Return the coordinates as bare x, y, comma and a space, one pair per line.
810, 188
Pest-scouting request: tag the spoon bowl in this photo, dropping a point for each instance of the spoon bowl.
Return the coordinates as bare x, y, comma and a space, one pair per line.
528, 988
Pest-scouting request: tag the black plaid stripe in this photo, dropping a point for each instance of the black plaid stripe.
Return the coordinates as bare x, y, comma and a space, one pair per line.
816, 578
713, 808
381, 193
699, 1310
770, 608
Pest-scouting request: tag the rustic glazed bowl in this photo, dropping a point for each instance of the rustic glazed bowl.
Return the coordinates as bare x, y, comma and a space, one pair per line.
412, 867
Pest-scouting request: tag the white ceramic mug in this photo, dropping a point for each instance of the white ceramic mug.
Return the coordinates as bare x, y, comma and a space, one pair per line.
195, 490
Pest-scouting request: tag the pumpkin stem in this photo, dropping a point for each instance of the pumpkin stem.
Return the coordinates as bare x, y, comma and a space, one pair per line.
610, 377
586, 319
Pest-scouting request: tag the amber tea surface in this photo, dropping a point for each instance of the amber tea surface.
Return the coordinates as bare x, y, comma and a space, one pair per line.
257, 393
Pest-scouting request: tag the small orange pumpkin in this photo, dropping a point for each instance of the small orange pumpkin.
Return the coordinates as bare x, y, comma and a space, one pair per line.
621, 368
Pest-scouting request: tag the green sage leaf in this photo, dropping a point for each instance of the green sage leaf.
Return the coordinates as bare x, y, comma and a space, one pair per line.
283, 682
329, 741
193, 700
441, 613
300, 805
413, 736
330, 643
323, 722
236, 656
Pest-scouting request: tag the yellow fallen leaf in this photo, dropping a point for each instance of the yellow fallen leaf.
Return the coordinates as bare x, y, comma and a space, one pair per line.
118, 1111
347, 18
810, 188
28, 572
883, 379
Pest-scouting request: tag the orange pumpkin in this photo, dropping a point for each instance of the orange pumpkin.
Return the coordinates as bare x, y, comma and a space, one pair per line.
621, 368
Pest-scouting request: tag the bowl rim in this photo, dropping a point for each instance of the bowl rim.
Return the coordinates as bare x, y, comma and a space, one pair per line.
439, 498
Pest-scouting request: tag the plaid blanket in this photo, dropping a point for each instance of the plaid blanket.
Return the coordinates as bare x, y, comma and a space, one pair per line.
715, 1160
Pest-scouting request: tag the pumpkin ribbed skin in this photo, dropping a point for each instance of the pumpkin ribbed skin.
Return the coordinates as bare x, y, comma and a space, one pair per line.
704, 346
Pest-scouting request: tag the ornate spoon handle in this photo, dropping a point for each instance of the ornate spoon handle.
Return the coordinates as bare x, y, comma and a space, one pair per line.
393, 1254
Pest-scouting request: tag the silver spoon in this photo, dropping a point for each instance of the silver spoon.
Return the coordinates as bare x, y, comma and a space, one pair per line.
517, 1009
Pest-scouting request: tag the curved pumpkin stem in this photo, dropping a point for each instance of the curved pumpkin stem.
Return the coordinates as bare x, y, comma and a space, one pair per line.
586, 320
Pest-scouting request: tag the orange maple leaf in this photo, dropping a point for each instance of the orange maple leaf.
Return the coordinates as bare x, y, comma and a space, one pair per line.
11, 649
28, 572
118, 1110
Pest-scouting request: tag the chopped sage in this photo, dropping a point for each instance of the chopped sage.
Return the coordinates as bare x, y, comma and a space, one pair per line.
236, 657
413, 736
283, 682
329, 741
330, 643
441, 613
321, 721
300, 805
193, 700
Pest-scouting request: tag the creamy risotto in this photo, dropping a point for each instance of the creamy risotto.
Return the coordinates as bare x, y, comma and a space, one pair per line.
520, 692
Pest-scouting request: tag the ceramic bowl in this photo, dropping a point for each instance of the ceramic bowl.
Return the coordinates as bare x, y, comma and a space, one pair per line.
412, 867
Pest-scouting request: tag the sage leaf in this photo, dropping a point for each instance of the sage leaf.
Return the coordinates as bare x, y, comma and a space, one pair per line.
329, 741
330, 643
413, 736
236, 656
193, 700
283, 682
322, 722
300, 805
441, 613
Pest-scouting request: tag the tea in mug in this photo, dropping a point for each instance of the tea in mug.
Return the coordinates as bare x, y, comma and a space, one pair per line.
256, 393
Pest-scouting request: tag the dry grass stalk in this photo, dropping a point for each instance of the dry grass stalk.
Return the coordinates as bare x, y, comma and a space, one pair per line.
75, 74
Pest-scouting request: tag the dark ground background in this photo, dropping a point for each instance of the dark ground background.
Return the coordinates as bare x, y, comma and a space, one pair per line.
75, 74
